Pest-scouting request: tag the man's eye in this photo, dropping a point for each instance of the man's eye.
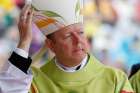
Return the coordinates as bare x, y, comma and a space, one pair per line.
81, 33
67, 36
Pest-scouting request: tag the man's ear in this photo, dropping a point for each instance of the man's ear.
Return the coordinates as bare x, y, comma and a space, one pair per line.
50, 44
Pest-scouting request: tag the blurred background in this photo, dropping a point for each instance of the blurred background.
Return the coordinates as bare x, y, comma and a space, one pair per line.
112, 28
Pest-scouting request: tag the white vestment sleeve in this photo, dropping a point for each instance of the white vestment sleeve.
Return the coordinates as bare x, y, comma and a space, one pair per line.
13, 80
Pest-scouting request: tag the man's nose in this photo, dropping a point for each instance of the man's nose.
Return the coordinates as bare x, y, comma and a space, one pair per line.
76, 38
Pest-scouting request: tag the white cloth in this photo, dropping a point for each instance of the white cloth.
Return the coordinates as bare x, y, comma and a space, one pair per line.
13, 80
21, 52
72, 69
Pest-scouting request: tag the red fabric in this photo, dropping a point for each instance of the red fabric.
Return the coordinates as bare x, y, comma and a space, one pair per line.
124, 91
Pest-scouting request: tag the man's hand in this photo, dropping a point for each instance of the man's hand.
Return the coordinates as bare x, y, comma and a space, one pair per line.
24, 26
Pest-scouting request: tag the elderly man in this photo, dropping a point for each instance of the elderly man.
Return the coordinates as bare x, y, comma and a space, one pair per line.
72, 70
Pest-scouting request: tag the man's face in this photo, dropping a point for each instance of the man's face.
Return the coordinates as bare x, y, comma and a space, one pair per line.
70, 43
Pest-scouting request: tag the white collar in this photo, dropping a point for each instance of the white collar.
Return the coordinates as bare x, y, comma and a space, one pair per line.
72, 69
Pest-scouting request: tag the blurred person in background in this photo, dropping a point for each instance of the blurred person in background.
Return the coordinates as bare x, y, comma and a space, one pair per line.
135, 77
135, 68
8, 29
136, 15
107, 12
72, 70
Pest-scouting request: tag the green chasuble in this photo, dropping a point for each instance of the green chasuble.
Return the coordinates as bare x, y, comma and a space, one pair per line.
135, 82
93, 78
